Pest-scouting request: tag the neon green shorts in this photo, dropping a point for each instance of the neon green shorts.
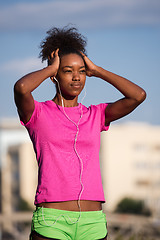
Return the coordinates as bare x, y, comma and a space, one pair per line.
69, 225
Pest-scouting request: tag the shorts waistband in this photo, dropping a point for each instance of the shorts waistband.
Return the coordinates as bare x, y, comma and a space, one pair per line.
58, 212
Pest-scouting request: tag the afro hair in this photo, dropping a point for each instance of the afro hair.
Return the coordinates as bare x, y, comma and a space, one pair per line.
67, 39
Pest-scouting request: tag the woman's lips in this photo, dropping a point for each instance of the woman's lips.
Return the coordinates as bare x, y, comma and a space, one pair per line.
76, 85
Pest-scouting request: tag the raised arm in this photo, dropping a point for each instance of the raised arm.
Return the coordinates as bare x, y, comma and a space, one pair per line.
23, 88
133, 94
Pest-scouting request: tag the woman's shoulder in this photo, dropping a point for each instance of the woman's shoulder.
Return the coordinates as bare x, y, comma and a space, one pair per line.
97, 106
47, 103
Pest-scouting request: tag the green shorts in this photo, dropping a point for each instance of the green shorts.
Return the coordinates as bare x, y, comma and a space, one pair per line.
69, 225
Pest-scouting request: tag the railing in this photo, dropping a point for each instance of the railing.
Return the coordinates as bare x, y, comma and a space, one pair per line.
135, 223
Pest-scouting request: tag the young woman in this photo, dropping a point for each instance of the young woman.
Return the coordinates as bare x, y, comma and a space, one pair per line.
66, 138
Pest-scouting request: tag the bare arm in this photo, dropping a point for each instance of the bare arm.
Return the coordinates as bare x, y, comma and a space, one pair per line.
23, 88
133, 94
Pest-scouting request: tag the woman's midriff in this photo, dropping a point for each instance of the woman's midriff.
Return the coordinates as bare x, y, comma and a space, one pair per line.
73, 205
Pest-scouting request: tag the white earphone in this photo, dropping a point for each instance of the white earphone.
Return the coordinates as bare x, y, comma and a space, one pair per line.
81, 162
55, 79
75, 141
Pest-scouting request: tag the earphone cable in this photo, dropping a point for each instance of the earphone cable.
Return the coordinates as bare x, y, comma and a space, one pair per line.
75, 149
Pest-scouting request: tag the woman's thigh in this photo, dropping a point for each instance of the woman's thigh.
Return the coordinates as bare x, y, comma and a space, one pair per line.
36, 236
103, 238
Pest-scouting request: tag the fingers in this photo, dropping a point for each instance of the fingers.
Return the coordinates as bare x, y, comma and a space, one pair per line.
54, 54
82, 54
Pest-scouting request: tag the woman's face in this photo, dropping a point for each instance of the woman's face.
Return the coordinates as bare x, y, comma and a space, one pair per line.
71, 75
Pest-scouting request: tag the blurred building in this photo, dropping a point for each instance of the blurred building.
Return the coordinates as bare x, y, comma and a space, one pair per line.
18, 167
130, 156
130, 160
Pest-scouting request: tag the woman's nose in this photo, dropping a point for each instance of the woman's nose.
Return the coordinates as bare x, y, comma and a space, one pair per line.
76, 77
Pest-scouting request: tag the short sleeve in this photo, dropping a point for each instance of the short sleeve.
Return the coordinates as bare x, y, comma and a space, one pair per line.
102, 107
35, 114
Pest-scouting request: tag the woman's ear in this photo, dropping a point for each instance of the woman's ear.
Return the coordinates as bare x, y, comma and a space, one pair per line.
54, 80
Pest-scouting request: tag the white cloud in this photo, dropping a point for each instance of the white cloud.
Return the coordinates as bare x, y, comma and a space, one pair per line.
85, 14
21, 66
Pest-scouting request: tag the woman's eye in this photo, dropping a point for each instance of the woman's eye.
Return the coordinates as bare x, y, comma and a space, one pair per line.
67, 71
82, 71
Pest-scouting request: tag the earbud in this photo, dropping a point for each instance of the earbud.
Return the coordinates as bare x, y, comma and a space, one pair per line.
55, 79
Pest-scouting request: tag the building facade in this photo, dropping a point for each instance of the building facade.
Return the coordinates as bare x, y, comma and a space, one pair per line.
130, 156
18, 167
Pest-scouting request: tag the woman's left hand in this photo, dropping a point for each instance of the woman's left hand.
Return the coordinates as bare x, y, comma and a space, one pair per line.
90, 66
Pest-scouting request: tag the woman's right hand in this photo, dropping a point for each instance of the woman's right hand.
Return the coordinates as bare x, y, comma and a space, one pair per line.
54, 62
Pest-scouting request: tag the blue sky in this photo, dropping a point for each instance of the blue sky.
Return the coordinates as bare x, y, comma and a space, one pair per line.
123, 37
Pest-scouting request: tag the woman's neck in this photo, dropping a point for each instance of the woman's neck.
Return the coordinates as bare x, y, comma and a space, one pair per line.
72, 102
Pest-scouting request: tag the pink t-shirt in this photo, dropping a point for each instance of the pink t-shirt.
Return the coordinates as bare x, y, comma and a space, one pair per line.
53, 137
